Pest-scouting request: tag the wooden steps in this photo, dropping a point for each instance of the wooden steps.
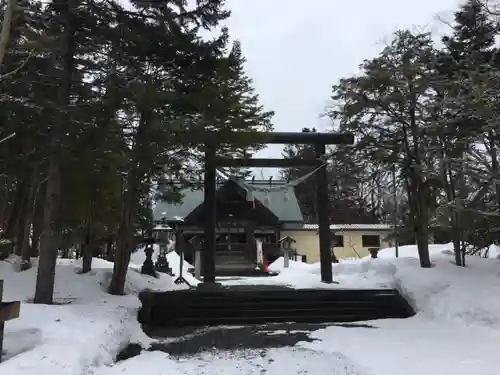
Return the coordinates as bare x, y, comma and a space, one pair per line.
240, 305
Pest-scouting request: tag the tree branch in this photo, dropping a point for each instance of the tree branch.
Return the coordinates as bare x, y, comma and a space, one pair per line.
19, 68
5, 33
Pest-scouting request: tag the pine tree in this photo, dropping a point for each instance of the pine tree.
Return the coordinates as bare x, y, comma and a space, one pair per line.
170, 72
227, 102
469, 59
381, 108
101, 115
64, 56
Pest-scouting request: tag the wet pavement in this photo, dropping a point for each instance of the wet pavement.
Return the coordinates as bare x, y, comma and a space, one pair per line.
190, 341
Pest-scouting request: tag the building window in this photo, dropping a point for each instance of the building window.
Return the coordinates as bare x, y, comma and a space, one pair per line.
370, 241
337, 241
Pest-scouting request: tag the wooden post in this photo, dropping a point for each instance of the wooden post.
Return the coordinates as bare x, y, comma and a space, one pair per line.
8, 311
210, 214
197, 264
212, 139
250, 240
323, 219
286, 258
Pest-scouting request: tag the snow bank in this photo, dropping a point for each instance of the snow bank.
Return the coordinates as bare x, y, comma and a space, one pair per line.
413, 346
453, 293
85, 329
279, 265
348, 275
411, 251
494, 251
457, 326
444, 291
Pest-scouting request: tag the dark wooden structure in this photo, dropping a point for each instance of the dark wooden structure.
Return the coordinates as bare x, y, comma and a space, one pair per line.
241, 218
210, 304
8, 311
318, 140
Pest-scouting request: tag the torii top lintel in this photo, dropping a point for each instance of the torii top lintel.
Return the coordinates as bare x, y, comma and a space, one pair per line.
280, 137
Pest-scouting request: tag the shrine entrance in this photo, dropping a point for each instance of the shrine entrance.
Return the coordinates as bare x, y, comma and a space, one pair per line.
209, 304
212, 162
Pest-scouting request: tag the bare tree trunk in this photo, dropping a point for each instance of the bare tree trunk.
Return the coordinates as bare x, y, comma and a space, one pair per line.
25, 224
13, 220
420, 188
6, 24
50, 238
38, 206
423, 231
455, 219
125, 235
49, 241
419, 216
7, 183
18, 227
124, 246
88, 246
109, 249
495, 167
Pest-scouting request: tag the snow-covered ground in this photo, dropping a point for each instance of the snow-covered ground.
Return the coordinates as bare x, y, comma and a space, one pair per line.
85, 329
456, 329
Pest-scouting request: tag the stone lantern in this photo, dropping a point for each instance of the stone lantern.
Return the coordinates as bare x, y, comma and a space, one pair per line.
148, 267
162, 237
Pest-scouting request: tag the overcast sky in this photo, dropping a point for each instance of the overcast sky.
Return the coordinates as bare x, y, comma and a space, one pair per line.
297, 49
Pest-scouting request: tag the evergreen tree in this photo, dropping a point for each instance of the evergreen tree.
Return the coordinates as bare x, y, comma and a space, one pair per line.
381, 107
469, 59
104, 109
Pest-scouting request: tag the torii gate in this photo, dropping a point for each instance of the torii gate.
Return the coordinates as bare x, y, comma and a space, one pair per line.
212, 139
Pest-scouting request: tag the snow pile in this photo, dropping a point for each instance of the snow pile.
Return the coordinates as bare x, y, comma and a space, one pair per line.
84, 329
347, 275
450, 292
444, 291
494, 251
411, 251
279, 265
457, 326
413, 346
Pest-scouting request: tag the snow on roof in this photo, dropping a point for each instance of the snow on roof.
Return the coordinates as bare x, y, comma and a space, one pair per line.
351, 226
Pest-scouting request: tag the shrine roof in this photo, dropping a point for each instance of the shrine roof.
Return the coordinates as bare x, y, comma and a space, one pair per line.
282, 203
